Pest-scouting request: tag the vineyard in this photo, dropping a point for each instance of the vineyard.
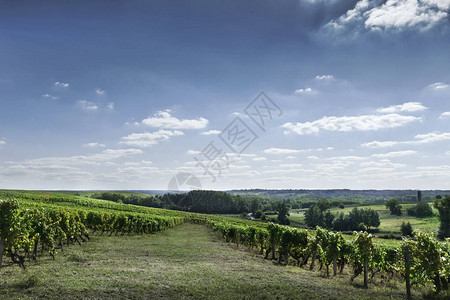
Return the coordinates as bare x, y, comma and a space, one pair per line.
33, 224
421, 261
49, 221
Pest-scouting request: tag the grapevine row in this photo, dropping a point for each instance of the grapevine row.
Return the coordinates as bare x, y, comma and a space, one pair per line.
25, 230
428, 259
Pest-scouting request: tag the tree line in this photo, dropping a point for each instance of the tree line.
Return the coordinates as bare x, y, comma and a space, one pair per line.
201, 201
357, 219
212, 202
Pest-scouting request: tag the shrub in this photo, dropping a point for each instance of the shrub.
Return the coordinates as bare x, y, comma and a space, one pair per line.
406, 229
361, 227
420, 210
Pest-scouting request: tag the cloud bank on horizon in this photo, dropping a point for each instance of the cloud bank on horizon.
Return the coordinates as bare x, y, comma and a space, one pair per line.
364, 87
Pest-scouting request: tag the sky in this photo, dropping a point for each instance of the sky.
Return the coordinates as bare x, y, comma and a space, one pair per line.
306, 94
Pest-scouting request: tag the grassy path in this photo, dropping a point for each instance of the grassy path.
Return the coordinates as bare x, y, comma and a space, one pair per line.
187, 262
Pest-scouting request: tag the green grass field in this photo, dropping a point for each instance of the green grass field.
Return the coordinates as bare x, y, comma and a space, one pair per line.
389, 223
186, 262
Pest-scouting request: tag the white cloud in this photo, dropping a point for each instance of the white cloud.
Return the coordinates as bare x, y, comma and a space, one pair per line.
441, 4
444, 115
324, 77
163, 119
432, 137
99, 92
405, 107
281, 151
67, 169
48, 96
290, 166
384, 163
290, 157
2, 143
419, 139
438, 86
110, 106
331, 166
132, 123
378, 144
211, 132
193, 152
394, 154
93, 145
362, 123
312, 157
148, 139
382, 169
306, 91
61, 84
261, 158
136, 171
54, 173
137, 163
88, 105
104, 156
393, 15
346, 158
110, 154
399, 14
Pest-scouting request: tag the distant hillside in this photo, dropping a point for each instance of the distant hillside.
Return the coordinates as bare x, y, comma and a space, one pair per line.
410, 195
301, 194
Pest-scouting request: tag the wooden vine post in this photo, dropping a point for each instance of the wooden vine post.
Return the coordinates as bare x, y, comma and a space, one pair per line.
407, 271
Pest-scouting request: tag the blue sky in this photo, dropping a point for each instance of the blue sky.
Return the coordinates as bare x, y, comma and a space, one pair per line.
127, 94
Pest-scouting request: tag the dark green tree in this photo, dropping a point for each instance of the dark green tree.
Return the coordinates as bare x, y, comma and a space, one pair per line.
283, 213
254, 206
371, 218
324, 204
314, 217
328, 218
420, 210
340, 222
394, 206
443, 206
